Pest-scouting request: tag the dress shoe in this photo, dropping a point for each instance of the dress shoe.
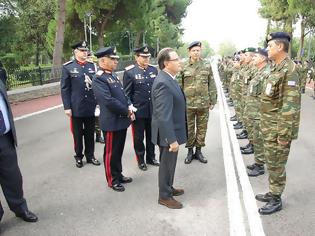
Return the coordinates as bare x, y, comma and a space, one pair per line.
93, 161
274, 205
99, 138
118, 187
233, 118
190, 156
238, 125
264, 197
170, 203
200, 156
258, 170
153, 162
143, 166
27, 216
177, 191
79, 163
249, 150
245, 147
125, 180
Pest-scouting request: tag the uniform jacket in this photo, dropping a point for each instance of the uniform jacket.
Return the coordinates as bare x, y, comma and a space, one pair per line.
169, 116
3, 92
112, 100
196, 79
76, 88
137, 84
281, 103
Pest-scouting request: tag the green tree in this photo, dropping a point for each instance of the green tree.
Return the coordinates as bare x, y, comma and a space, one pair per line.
227, 48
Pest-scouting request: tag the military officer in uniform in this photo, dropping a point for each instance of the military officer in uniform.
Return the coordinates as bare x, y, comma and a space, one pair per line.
79, 102
280, 109
138, 80
197, 81
116, 113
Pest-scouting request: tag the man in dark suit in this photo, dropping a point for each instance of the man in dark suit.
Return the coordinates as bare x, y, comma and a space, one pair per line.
138, 79
79, 102
168, 124
10, 175
115, 117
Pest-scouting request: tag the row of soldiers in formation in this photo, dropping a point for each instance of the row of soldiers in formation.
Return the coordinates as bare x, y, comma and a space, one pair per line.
128, 102
265, 86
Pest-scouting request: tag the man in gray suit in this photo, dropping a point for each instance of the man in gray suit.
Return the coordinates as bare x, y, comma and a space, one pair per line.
10, 175
168, 124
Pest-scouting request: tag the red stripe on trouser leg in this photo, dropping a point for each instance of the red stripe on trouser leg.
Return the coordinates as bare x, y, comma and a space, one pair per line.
71, 129
133, 142
108, 157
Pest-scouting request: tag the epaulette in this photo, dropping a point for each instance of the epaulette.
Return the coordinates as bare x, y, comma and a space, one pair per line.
129, 67
99, 73
68, 62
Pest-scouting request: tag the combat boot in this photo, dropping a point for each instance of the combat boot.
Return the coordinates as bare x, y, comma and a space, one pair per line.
264, 197
256, 171
238, 125
245, 147
249, 150
190, 156
242, 135
233, 118
274, 205
200, 156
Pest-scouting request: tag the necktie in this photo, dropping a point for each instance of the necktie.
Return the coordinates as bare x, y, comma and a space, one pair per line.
2, 124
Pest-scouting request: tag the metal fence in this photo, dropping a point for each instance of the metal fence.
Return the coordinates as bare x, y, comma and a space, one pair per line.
33, 77
40, 76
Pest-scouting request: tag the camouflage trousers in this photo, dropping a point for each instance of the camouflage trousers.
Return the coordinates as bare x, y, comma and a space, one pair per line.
276, 159
249, 124
197, 122
258, 143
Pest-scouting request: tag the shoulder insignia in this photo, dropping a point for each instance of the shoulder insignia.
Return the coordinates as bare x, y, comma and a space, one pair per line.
129, 67
67, 63
99, 73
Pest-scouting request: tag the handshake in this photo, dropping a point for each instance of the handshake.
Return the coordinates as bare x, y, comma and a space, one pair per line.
131, 112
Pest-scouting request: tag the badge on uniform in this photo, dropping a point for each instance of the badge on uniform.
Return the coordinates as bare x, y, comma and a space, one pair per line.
138, 76
291, 83
88, 82
268, 89
74, 71
91, 70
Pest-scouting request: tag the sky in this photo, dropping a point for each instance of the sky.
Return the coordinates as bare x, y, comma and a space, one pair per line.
224, 20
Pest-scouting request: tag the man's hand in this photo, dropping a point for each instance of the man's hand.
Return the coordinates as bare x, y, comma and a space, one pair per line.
68, 112
283, 143
174, 147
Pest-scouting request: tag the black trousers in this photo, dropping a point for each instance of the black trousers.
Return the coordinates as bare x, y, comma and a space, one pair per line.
140, 127
113, 150
166, 172
83, 127
10, 176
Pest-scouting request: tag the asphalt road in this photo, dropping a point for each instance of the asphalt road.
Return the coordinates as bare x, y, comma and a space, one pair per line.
74, 202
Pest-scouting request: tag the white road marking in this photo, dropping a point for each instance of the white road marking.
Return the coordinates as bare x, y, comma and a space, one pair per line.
254, 219
37, 112
236, 218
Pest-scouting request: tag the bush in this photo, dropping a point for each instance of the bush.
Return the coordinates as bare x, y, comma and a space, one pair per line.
9, 62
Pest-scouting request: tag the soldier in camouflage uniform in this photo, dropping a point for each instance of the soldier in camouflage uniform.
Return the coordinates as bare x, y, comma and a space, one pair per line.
196, 80
238, 92
252, 109
247, 75
280, 108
